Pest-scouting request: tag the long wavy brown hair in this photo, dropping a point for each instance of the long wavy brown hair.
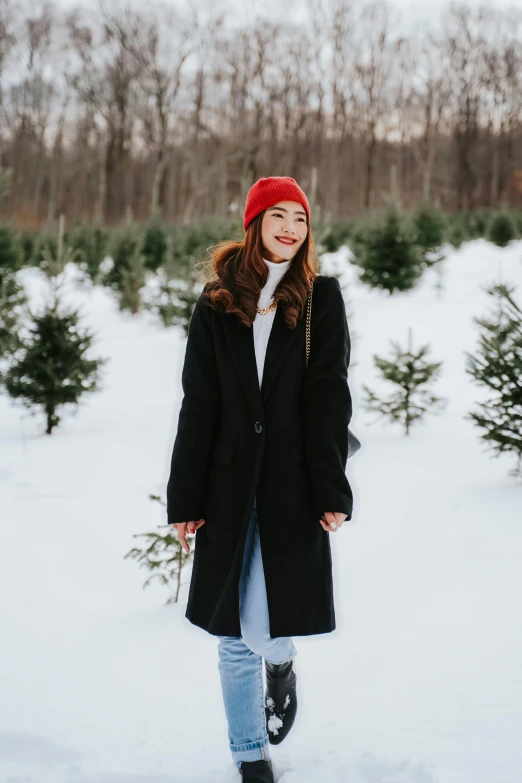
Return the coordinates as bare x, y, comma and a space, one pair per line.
236, 273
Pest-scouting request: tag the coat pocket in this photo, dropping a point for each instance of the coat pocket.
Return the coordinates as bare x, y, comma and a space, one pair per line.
297, 447
223, 450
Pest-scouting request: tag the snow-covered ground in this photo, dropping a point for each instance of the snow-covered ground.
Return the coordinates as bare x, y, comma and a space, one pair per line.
422, 680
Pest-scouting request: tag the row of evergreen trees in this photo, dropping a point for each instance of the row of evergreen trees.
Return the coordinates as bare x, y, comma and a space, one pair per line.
158, 243
156, 267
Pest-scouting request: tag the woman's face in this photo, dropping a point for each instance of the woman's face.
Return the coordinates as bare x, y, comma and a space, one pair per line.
284, 220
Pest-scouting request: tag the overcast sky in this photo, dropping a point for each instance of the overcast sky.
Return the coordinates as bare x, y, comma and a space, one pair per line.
414, 7
290, 8
413, 15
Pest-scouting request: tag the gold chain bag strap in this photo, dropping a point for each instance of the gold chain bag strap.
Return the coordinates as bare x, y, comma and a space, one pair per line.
354, 444
309, 318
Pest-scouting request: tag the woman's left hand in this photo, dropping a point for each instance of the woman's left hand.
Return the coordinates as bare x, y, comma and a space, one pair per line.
332, 520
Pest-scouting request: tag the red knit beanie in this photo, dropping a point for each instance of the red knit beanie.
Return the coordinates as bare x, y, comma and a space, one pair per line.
267, 191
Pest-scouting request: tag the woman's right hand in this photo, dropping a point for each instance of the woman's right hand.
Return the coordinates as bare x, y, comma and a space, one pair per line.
187, 528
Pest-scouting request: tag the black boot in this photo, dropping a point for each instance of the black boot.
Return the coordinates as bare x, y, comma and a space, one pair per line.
257, 772
280, 699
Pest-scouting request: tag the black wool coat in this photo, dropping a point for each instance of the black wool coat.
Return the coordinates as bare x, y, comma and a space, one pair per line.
286, 444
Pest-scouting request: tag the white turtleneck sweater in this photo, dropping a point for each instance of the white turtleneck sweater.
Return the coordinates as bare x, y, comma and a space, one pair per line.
262, 325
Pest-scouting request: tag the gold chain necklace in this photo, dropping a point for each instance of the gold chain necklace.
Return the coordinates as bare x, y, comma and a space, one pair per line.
269, 309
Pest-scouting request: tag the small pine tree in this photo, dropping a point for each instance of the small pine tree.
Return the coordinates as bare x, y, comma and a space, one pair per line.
154, 246
479, 222
164, 556
409, 371
388, 256
133, 279
12, 303
89, 243
474, 223
10, 252
12, 298
176, 291
456, 235
50, 369
122, 249
26, 240
502, 229
498, 366
55, 255
53, 370
428, 226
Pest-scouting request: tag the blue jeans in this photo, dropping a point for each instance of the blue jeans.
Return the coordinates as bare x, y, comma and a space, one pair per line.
241, 659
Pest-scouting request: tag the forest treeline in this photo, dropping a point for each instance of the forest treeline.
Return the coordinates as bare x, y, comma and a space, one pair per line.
114, 112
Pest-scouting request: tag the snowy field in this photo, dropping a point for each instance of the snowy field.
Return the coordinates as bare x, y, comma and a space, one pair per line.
422, 680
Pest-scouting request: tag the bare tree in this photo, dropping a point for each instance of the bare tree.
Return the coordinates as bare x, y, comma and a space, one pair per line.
8, 10
375, 58
503, 96
28, 103
428, 104
107, 81
161, 50
465, 41
341, 27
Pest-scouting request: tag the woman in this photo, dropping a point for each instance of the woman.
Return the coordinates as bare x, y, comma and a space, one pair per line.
258, 465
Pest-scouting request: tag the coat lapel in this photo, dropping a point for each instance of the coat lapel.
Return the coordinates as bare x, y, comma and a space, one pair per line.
241, 342
279, 342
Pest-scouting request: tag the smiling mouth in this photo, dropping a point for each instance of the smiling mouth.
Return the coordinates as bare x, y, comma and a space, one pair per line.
286, 241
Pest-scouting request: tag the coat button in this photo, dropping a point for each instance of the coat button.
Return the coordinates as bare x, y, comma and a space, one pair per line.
258, 426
